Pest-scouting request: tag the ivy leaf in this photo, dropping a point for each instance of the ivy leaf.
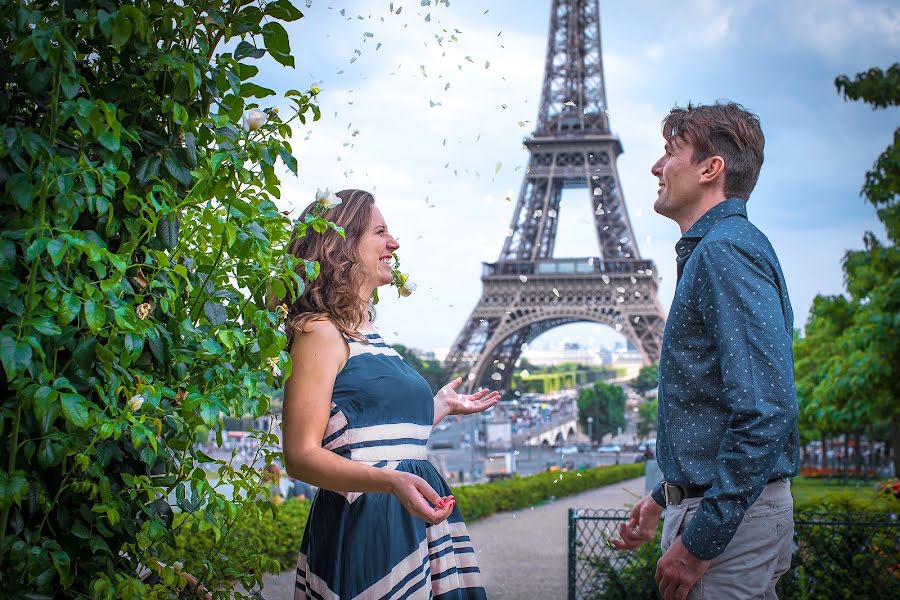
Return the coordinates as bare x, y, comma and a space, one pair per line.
246, 49
19, 188
288, 158
215, 312
147, 168
16, 356
177, 170
283, 10
95, 316
249, 90
44, 400
68, 309
75, 410
167, 230
12, 488
190, 146
47, 327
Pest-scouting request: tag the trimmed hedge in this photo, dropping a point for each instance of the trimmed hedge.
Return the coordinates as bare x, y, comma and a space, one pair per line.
481, 500
279, 537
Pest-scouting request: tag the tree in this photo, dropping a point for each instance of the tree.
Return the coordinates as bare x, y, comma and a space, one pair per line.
647, 379
647, 416
140, 241
846, 360
606, 404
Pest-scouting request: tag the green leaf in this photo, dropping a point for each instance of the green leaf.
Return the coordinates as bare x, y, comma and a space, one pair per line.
249, 90
283, 10
246, 49
288, 158
8, 254
16, 356
56, 249
95, 315
47, 327
276, 38
177, 170
68, 309
215, 312
121, 30
36, 248
147, 168
168, 229
44, 400
192, 74
49, 453
217, 159
19, 188
109, 139
75, 410
190, 146
12, 488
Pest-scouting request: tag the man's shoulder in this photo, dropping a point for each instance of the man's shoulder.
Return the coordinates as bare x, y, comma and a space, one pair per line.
737, 234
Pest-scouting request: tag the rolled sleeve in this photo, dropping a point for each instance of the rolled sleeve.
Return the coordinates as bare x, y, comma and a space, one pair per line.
741, 307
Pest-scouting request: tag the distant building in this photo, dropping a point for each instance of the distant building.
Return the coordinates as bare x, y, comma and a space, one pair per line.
629, 358
437, 354
570, 353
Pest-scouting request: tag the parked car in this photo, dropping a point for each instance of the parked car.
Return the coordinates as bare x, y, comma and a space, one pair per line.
569, 449
649, 444
609, 448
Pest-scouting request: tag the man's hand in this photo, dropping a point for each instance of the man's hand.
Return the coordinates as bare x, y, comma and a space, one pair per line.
678, 571
641, 527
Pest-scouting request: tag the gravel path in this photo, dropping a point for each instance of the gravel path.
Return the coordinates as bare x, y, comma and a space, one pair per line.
522, 554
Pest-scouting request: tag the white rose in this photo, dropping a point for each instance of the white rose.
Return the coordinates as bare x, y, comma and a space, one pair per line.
407, 288
254, 119
136, 402
327, 198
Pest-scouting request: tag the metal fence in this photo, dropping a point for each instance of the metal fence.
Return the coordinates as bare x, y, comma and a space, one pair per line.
836, 556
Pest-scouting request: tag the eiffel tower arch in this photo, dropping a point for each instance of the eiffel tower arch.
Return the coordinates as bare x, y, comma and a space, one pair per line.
527, 292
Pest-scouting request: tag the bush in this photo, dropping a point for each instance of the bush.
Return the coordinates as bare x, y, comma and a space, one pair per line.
481, 500
274, 535
839, 554
278, 537
139, 240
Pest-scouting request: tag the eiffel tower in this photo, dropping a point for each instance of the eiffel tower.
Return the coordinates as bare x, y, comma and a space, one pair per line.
528, 292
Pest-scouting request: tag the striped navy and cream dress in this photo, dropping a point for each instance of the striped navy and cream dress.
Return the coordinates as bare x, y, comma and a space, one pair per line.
366, 545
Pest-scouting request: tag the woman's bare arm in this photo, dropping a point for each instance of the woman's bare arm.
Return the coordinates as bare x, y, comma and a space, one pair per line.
317, 355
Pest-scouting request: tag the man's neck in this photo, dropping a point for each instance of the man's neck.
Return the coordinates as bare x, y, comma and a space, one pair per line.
697, 210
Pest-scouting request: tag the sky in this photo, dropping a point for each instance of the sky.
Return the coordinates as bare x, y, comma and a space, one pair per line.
428, 109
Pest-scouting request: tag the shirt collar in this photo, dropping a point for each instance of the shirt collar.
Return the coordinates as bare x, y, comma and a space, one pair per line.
727, 208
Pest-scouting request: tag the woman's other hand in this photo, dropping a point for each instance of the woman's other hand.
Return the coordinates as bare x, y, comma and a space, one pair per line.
448, 402
419, 498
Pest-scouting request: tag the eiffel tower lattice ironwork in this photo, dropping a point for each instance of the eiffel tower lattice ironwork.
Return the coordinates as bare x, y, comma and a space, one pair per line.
528, 292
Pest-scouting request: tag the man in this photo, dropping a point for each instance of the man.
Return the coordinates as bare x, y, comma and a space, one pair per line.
727, 433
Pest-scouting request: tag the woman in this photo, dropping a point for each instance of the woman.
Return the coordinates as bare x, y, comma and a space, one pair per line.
356, 421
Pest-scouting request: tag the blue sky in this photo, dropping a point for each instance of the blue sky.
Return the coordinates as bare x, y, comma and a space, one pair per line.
442, 159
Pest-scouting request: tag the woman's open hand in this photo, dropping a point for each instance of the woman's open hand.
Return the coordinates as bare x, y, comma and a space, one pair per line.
448, 402
419, 498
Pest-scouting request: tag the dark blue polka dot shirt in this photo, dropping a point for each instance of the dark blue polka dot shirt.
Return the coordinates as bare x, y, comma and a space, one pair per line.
727, 403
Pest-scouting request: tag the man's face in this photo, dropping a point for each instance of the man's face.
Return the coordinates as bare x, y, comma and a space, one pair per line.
679, 179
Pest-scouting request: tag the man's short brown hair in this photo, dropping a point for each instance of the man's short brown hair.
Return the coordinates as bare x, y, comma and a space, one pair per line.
724, 129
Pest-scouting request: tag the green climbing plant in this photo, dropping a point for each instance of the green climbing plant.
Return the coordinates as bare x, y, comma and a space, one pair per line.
139, 243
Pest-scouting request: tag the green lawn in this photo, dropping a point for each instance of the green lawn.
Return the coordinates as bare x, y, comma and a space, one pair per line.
805, 489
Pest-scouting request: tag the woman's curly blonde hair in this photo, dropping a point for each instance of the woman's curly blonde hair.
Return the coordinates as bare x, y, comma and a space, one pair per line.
334, 294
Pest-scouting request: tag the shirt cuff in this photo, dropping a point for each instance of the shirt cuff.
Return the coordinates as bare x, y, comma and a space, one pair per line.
658, 495
705, 539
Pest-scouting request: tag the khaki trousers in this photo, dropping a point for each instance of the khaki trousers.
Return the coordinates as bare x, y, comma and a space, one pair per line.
758, 554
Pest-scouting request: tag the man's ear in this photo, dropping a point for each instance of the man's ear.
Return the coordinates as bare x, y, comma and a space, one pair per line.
713, 168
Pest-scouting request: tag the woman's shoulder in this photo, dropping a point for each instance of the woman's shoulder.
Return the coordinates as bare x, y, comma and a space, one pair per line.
319, 331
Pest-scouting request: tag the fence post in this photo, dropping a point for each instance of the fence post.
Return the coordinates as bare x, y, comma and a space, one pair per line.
572, 513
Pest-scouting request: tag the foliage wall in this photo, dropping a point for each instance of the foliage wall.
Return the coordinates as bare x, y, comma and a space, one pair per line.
139, 238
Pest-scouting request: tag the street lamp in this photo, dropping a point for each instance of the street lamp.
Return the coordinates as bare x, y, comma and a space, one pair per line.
590, 421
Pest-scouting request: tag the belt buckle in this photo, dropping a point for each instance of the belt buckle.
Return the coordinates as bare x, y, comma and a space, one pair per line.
673, 493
